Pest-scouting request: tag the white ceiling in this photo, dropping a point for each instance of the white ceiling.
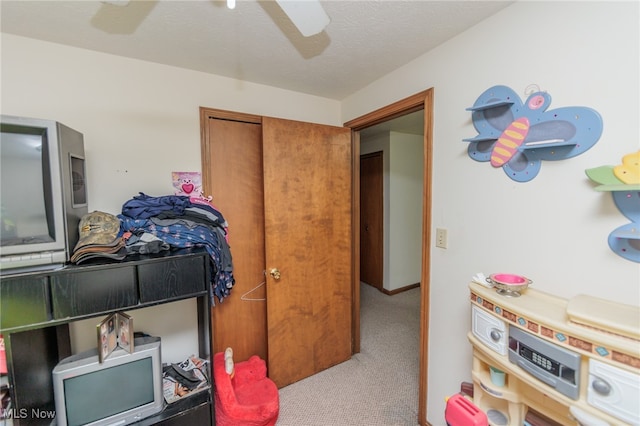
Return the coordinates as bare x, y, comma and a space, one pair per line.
255, 42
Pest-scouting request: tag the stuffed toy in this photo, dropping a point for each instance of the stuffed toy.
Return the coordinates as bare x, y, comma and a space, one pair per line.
244, 395
188, 184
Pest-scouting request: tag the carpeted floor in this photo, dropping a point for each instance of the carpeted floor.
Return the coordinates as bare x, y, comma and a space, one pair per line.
378, 386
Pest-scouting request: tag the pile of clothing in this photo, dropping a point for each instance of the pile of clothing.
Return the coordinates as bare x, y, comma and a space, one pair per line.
157, 223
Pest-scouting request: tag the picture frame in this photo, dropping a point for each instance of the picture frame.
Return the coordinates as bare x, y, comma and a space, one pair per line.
115, 331
125, 332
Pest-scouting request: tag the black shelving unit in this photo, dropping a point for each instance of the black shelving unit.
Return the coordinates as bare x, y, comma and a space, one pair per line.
36, 309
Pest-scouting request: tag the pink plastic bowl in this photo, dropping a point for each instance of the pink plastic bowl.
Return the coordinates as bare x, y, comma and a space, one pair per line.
509, 284
509, 279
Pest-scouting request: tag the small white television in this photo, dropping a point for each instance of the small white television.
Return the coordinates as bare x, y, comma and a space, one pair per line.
125, 388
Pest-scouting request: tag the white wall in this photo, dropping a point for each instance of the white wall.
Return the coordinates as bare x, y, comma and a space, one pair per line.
553, 229
140, 122
405, 210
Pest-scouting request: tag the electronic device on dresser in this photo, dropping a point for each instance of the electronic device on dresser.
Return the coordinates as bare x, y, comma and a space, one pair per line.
43, 193
123, 389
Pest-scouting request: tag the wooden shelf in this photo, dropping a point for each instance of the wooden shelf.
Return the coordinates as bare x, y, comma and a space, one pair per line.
480, 139
490, 105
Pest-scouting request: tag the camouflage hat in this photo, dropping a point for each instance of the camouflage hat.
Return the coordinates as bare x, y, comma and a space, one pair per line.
98, 228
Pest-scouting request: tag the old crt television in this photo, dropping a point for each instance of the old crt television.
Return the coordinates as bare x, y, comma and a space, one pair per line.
125, 388
43, 192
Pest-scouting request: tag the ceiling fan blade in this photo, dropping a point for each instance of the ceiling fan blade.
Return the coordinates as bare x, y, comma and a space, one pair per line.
307, 15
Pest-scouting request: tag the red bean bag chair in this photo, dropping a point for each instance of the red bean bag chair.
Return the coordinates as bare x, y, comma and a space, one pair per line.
245, 396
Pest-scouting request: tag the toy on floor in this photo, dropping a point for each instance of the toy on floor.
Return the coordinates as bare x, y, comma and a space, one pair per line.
244, 395
462, 412
229, 365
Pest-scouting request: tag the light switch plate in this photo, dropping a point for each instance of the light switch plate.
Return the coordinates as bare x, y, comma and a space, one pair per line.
441, 238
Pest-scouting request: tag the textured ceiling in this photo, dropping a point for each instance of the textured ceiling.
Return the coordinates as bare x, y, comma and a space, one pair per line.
255, 42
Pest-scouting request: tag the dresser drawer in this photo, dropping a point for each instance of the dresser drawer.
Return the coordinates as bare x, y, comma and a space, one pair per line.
171, 279
92, 292
24, 301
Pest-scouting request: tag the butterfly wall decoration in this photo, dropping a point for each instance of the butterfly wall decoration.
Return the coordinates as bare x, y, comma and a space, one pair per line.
517, 136
623, 181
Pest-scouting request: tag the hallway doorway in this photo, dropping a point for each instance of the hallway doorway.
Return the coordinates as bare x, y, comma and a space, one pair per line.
422, 101
391, 186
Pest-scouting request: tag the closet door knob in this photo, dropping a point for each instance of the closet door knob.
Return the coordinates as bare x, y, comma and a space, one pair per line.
275, 273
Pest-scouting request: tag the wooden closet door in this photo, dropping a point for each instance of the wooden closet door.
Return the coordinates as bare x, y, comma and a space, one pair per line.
308, 239
232, 174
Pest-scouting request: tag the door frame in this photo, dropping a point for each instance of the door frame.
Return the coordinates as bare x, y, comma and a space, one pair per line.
420, 101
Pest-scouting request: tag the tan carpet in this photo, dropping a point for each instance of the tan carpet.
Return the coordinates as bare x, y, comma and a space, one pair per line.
378, 386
